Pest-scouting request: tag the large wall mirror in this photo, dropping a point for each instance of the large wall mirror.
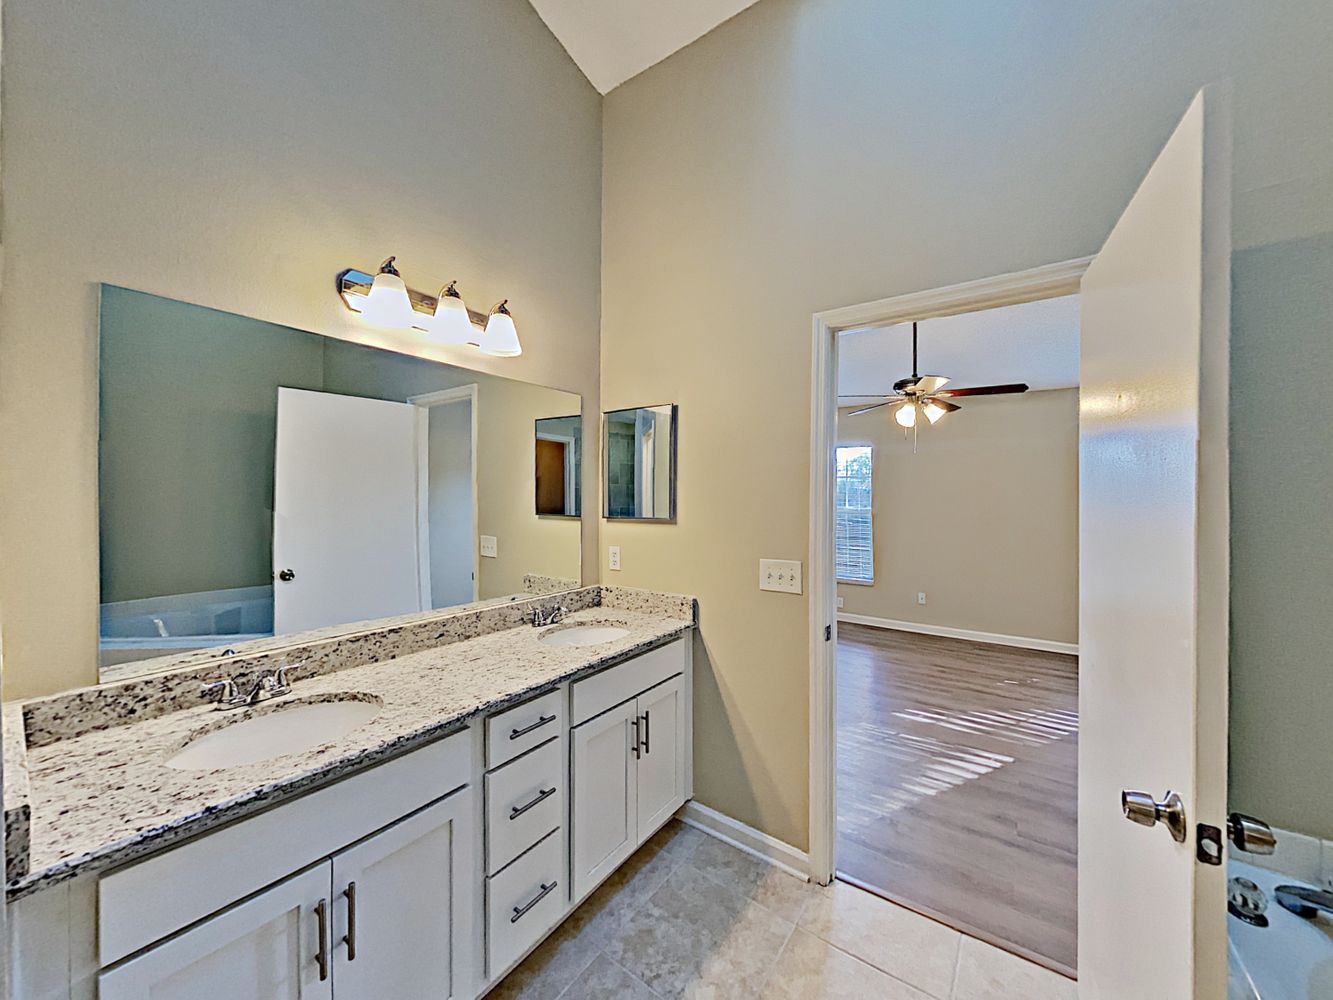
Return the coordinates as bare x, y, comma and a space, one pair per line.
639, 455
258, 481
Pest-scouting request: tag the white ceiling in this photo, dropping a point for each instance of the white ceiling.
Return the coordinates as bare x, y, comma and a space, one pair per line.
1036, 343
613, 40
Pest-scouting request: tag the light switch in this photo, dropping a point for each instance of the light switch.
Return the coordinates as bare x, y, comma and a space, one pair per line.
920, 597
782, 575
488, 546
613, 557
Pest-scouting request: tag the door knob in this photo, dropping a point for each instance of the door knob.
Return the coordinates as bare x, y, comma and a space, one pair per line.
287, 575
1142, 808
1253, 836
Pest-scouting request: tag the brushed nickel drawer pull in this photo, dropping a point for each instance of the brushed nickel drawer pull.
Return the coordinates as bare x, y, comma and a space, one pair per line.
350, 936
516, 733
542, 796
322, 957
546, 889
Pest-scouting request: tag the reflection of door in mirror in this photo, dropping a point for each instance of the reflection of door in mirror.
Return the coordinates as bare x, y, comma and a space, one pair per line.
345, 468
450, 497
551, 476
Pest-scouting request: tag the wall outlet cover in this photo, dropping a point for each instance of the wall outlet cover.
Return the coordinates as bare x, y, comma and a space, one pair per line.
920, 597
489, 547
839, 602
613, 557
781, 575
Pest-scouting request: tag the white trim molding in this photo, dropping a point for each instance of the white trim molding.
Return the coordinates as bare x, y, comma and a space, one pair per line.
1046, 282
971, 635
746, 838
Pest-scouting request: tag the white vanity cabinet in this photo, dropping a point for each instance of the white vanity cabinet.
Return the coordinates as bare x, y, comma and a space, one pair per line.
376, 920
628, 762
264, 947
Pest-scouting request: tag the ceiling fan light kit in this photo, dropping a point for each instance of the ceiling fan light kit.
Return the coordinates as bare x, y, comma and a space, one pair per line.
925, 396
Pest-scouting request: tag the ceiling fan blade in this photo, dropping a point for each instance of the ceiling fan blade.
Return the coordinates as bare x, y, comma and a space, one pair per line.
944, 404
875, 406
986, 390
863, 395
928, 385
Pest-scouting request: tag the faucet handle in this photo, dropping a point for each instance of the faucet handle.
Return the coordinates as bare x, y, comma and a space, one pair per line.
281, 682
225, 691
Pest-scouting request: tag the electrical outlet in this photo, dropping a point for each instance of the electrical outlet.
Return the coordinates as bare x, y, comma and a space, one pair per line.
920, 597
613, 557
782, 575
489, 546
839, 603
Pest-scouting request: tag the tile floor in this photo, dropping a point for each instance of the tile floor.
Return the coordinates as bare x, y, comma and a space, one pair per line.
690, 916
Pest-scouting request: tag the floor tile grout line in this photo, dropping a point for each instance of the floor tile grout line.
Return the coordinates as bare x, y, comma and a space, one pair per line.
637, 979
957, 965
772, 970
884, 972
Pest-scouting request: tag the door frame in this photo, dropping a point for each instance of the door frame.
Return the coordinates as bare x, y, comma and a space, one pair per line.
1044, 282
425, 401
569, 440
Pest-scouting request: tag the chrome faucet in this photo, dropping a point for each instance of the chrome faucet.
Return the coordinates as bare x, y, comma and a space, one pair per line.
1303, 901
549, 616
268, 684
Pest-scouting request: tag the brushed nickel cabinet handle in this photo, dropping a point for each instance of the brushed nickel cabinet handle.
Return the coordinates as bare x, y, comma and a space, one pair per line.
542, 796
544, 720
350, 936
322, 957
546, 889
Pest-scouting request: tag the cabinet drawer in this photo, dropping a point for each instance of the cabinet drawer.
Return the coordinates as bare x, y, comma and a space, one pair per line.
524, 802
594, 695
523, 727
523, 902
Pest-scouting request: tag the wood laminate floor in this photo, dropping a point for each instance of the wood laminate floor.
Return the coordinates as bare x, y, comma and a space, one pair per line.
957, 784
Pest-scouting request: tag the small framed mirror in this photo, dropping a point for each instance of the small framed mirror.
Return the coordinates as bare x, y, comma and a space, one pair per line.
559, 457
639, 451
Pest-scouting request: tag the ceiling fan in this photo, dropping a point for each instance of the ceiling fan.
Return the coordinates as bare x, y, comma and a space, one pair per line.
925, 396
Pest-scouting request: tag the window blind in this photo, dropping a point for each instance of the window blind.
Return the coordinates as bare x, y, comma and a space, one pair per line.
854, 542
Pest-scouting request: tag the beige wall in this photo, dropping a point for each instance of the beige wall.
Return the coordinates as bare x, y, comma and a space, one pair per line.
983, 517
237, 156
815, 153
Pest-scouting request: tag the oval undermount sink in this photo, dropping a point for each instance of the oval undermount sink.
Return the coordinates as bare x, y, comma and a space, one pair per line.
284, 730
583, 635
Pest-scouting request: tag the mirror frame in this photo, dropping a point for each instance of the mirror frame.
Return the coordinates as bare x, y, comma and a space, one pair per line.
606, 477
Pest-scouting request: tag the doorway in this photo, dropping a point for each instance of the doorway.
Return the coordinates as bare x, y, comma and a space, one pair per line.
447, 495
951, 707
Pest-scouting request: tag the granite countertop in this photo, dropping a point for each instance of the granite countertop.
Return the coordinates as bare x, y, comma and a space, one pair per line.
101, 798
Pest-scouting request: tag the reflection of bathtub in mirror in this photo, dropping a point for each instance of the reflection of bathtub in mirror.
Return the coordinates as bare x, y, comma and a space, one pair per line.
175, 623
1290, 959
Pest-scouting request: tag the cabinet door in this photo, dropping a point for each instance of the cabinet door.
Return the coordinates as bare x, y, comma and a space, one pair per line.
263, 949
662, 755
401, 900
603, 783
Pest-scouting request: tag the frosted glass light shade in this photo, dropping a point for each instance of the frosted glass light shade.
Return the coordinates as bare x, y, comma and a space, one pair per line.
388, 304
905, 415
451, 324
500, 337
933, 411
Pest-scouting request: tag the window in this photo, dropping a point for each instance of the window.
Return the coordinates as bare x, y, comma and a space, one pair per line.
854, 546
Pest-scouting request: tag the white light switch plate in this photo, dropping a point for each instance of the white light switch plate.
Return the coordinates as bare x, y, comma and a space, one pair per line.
488, 546
782, 575
613, 557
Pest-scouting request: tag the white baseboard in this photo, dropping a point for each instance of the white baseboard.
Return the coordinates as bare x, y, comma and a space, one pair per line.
1021, 641
746, 838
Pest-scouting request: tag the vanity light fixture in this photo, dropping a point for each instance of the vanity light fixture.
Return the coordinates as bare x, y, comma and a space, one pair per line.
451, 323
501, 336
385, 300
388, 304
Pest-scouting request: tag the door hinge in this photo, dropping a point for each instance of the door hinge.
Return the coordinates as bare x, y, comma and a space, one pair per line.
828, 633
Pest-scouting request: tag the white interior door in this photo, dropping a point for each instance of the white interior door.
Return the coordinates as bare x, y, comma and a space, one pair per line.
451, 503
1153, 572
344, 510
